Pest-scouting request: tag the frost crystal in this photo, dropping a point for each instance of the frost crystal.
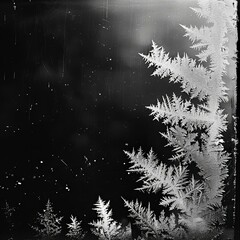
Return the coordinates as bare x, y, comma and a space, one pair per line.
48, 224
195, 127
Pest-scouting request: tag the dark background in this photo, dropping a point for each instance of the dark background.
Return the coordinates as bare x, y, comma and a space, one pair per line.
73, 92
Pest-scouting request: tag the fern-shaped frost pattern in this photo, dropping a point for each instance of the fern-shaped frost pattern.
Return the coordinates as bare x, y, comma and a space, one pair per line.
195, 124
